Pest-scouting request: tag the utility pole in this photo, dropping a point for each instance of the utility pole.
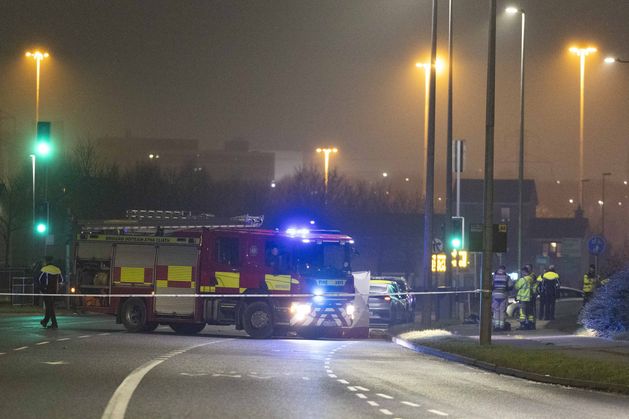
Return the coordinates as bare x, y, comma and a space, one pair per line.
486, 280
448, 228
430, 174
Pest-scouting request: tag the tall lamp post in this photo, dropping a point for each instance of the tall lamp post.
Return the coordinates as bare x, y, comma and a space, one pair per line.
581, 53
38, 56
426, 68
514, 10
603, 176
326, 164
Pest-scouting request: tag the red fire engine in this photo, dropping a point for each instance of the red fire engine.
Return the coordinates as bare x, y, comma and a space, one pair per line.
252, 278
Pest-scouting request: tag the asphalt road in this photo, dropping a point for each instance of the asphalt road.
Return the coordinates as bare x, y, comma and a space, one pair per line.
92, 368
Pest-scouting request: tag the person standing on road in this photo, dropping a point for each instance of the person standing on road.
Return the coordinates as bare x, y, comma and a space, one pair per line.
49, 280
499, 297
589, 284
535, 295
549, 292
524, 287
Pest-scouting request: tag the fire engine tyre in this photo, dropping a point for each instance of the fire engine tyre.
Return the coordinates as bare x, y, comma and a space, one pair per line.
133, 313
257, 320
187, 328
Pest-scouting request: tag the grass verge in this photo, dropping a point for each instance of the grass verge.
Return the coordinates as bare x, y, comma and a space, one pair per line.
544, 361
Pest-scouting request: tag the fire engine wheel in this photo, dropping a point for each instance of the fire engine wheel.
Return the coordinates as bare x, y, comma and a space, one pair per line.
187, 328
133, 315
257, 320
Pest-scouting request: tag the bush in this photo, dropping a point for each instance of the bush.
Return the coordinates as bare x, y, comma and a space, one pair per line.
607, 313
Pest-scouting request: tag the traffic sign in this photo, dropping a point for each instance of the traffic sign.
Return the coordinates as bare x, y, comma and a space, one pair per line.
437, 246
596, 245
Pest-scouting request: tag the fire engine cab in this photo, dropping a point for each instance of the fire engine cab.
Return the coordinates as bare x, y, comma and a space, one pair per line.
267, 282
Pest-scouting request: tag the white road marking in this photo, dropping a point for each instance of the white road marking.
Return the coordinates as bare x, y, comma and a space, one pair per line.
20, 348
227, 375
343, 381
411, 404
56, 363
62, 339
361, 396
386, 412
305, 378
42, 343
372, 403
332, 376
104, 334
118, 403
351, 388
2, 353
384, 396
194, 374
84, 336
362, 388
437, 412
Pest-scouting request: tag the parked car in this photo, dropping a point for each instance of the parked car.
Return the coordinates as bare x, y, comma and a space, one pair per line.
387, 303
568, 304
408, 298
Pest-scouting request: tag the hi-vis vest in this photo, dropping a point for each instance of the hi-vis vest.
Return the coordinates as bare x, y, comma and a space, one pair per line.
589, 283
523, 286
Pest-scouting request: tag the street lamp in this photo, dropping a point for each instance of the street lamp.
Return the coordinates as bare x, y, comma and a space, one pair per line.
602, 202
512, 11
326, 164
426, 67
582, 53
38, 56
611, 60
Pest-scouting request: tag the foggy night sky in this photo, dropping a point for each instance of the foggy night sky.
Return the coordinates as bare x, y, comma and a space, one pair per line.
300, 74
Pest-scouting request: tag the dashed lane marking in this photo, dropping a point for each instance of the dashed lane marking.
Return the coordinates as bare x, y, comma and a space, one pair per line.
372, 403
361, 388
117, 406
305, 378
62, 339
21, 348
2, 353
43, 343
332, 376
343, 381
437, 412
84, 336
384, 396
411, 404
104, 334
351, 388
386, 412
361, 396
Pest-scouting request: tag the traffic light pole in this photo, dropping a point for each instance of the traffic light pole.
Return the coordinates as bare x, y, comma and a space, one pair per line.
486, 281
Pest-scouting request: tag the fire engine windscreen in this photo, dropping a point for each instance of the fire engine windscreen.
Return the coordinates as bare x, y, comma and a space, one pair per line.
311, 258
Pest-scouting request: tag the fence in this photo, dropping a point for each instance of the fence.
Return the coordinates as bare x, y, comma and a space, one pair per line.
7, 276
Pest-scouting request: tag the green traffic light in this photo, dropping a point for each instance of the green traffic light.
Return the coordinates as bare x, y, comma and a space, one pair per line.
456, 243
41, 228
43, 149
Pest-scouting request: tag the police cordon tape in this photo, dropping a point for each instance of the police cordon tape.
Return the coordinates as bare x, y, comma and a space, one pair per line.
152, 294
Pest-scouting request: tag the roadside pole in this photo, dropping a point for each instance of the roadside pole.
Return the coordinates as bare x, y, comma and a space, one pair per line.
448, 221
485, 318
430, 173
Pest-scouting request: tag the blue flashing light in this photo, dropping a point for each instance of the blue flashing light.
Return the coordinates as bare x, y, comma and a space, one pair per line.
302, 232
317, 291
312, 222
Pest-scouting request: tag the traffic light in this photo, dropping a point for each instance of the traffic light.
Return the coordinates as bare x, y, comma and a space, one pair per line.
457, 239
43, 145
41, 219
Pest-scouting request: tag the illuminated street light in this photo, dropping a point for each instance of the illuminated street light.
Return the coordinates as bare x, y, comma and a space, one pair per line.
385, 174
38, 56
581, 53
426, 67
326, 164
513, 11
571, 200
611, 60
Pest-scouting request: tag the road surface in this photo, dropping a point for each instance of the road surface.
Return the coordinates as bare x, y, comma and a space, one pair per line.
91, 368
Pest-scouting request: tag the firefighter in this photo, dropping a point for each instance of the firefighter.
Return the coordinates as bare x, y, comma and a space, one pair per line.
49, 280
500, 288
589, 283
549, 292
535, 295
524, 287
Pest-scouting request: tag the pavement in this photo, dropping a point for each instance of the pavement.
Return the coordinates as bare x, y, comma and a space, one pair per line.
580, 343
